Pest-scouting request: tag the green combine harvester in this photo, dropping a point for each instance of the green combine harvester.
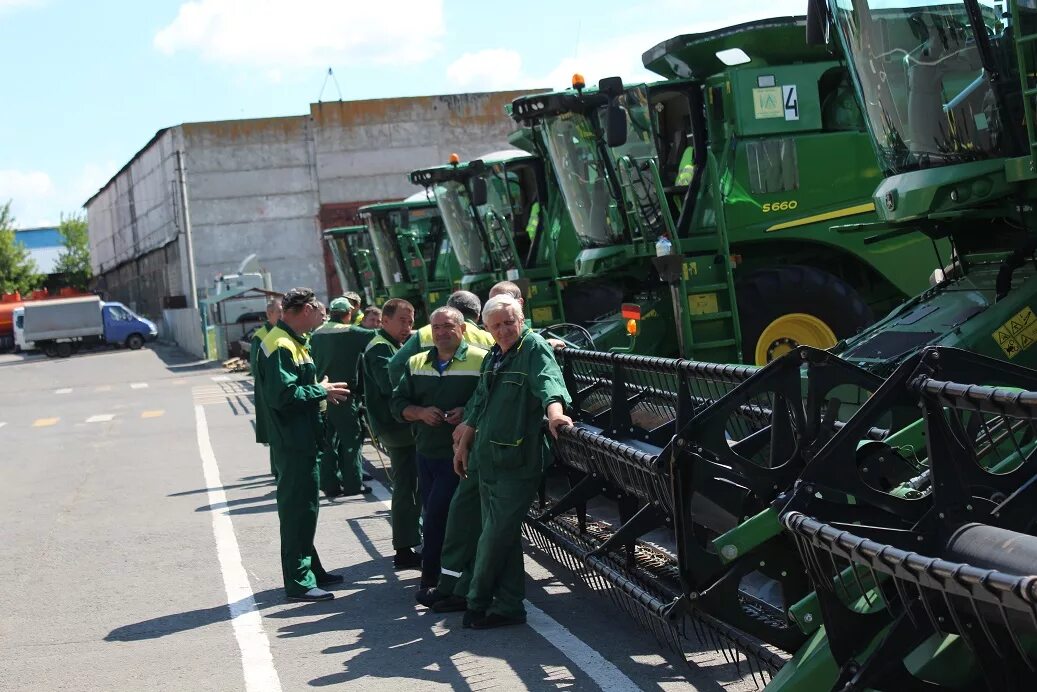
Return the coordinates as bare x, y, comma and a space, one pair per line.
354, 262
500, 228
724, 183
412, 249
860, 518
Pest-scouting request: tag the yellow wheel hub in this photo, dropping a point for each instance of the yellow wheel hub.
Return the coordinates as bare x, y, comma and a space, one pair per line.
789, 331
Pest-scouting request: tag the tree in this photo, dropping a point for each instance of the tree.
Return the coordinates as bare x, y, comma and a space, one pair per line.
18, 270
74, 260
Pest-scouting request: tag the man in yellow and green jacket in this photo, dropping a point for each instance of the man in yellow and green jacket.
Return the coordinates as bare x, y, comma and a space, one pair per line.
273, 314
432, 395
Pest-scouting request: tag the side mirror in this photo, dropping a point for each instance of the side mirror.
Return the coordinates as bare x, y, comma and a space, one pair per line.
817, 23
615, 124
478, 191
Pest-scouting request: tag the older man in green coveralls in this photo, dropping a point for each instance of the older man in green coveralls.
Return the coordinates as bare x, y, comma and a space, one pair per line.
502, 435
273, 314
337, 347
293, 397
395, 436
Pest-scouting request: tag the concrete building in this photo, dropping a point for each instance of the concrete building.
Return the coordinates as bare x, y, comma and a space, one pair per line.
267, 187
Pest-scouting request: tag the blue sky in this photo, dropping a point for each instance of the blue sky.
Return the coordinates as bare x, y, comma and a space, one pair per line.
86, 84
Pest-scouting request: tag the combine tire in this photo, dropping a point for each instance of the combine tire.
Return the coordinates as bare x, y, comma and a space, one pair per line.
786, 307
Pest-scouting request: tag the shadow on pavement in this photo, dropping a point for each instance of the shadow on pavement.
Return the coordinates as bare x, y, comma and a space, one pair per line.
250, 484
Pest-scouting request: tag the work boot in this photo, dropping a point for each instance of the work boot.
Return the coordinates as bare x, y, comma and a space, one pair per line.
406, 559
472, 616
492, 620
364, 490
450, 604
331, 493
312, 595
365, 476
330, 579
428, 596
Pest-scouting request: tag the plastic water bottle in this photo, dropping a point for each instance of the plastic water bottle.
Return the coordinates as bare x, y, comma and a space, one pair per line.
663, 246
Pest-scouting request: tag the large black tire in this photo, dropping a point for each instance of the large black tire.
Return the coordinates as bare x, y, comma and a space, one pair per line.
63, 350
766, 295
134, 341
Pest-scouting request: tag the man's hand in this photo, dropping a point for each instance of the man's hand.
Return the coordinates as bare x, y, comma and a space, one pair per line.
556, 418
461, 461
453, 416
557, 344
336, 392
461, 431
432, 416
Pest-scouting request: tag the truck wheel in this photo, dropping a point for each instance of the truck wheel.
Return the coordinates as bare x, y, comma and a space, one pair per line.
63, 350
135, 341
785, 307
49, 350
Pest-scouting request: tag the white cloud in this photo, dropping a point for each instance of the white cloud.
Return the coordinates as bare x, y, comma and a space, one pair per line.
274, 34
6, 5
487, 70
38, 200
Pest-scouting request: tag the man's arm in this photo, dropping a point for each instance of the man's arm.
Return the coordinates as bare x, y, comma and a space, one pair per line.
281, 388
398, 363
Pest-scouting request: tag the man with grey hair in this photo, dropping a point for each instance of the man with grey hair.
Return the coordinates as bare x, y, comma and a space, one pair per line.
502, 440
431, 395
255, 354
465, 302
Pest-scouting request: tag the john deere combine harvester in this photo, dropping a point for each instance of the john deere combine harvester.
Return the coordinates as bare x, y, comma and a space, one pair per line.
506, 221
801, 517
355, 263
413, 252
741, 163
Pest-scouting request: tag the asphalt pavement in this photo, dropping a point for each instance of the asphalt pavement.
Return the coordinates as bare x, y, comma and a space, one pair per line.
140, 552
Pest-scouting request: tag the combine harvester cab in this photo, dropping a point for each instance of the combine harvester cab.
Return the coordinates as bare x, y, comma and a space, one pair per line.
412, 249
506, 221
719, 183
354, 262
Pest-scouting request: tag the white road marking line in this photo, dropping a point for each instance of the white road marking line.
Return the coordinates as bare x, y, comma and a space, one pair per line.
64, 390
2, 424
220, 378
256, 660
100, 418
103, 388
597, 667
139, 385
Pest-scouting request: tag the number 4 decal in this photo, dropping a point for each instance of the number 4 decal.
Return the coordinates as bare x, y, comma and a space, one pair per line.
791, 101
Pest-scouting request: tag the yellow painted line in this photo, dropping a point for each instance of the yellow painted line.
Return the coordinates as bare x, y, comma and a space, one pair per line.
837, 214
103, 388
45, 422
152, 414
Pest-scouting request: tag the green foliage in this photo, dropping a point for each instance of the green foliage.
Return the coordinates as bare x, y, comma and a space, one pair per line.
74, 260
18, 270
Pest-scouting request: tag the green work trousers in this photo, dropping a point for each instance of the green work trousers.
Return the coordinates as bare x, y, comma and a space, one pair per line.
327, 459
406, 507
346, 439
499, 576
463, 525
297, 505
273, 468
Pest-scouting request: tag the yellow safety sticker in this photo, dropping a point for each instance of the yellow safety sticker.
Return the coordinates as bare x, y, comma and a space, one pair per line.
542, 315
1017, 334
703, 303
768, 103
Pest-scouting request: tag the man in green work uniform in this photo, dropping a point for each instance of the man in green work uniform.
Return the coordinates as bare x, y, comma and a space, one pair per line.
354, 300
293, 396
396, 437
502, 433
337, 347
465, 302
432, 395
464, 521
273, 314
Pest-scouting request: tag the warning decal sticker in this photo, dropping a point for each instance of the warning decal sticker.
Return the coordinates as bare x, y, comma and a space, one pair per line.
1017, 334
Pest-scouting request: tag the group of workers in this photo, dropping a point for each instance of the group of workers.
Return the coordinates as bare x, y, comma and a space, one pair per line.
459, 410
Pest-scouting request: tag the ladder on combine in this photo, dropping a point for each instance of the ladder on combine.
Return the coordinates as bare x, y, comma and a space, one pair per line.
1025, 29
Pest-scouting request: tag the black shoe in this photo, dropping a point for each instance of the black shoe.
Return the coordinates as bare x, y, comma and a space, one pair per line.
472, 616
330, 579
365, 476
364, 490
450, 604
331, 493
497, 620
429, 596
313, 594
406, 559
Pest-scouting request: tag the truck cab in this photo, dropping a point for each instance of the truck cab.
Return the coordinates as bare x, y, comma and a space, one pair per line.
18, 319
124, 326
